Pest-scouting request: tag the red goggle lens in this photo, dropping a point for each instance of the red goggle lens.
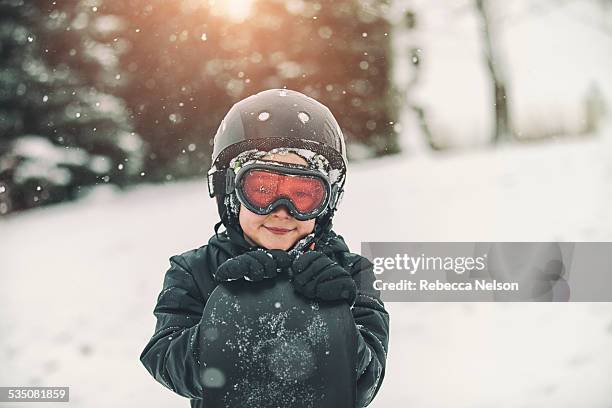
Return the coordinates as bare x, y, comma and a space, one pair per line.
262, 188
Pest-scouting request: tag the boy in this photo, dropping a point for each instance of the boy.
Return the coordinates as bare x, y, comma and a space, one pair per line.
278, 172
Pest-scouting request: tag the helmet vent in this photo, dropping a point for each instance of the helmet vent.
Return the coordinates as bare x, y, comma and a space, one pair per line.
263, 116
304, 117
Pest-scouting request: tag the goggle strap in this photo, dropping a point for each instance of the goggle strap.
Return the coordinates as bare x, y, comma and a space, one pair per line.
230, 181
213, 177
221, 181
335, 196
340, 195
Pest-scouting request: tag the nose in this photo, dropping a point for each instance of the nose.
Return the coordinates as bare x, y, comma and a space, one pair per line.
281, 211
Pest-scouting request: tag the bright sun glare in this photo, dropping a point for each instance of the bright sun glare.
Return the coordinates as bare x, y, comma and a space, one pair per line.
235, 9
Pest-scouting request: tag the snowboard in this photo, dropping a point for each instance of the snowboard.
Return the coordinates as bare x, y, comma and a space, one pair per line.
264, 345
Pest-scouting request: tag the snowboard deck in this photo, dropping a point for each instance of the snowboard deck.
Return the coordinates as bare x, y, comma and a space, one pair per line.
263, 345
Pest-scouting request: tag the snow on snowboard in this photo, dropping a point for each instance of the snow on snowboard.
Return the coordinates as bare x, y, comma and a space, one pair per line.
263, 345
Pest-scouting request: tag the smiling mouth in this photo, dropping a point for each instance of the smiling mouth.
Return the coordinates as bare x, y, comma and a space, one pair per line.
276, 230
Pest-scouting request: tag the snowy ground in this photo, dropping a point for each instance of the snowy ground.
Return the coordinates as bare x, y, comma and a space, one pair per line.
79, 281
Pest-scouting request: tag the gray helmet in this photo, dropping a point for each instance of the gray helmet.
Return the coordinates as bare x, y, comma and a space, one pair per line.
271, 119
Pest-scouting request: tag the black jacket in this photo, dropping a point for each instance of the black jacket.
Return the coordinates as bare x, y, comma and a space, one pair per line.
172, 354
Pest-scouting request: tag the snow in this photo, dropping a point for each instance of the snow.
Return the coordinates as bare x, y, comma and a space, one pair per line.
42, 159
40, 149
80, 280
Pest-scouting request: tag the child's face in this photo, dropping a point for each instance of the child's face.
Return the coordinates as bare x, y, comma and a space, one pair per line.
277, 230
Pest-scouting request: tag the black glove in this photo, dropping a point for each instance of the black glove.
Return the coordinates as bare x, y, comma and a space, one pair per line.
253, 266
316, 276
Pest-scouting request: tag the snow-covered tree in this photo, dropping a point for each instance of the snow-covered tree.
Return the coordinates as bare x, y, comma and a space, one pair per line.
60, 126
188, 63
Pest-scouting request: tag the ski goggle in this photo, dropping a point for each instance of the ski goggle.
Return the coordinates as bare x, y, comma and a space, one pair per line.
262, 187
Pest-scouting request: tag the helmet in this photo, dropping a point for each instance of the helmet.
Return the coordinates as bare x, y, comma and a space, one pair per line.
276, 118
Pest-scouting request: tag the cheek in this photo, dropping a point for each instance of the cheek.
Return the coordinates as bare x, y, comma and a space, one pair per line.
249, 220
306, 227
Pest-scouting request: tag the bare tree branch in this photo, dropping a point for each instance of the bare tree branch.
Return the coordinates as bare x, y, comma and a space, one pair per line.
502, 115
